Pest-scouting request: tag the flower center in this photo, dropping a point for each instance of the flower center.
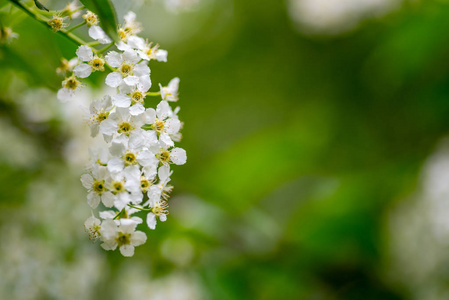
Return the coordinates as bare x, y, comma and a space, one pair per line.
122, 34
144, 184
123, 239
164, 156
130, 158
160, 208
117, 187
126, 69
71, 83
125, 128
97, 64
137, 97
98, 186
101, 116
158, 125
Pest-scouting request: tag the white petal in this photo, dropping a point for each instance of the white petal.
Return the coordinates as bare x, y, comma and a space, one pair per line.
65, 95
163, 94
84, 53
146, 158
114, 59
114, 79
116, 165
124, 47
136, 109
130, 17
108, 127
136, 139
144, 83
130, 57
165, 138
142, 69
87, 181
94, 129
163, 110
172, 125
151, 221
163, 218
164, 173
178, 156
127, 250
108, 199
117, 149
136, 42
121, 100
173, 85
82, 70
131, 80
161, 55
107, 214
150, 115
97, 33
138, 238
93, 199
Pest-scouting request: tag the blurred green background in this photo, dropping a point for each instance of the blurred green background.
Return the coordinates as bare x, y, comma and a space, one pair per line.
317, 160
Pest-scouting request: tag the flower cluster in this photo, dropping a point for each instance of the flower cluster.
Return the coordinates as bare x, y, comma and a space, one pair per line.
133, 173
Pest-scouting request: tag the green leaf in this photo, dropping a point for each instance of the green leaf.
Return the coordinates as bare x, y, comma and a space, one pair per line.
147, 127
40, 5
106, 12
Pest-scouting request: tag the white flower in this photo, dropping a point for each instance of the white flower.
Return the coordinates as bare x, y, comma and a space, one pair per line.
127, 72
121, 122
131, 27
133, 96
125, 187
170, 92
69, 86
158, 209
145, 50
160, 190
98, 34
177, 156
96, 186
123, 236
98, 156
99, 111
92, 227
66, 66
162, 125
95, 63
90, 18
126, 154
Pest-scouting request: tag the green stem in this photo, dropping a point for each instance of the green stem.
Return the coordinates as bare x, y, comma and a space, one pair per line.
119, 214
105, 48
140, 208
44, 21
153, 93
95, 43
66, 33
75, 27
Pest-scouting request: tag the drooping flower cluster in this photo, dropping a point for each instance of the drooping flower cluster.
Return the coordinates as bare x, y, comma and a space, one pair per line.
133, 174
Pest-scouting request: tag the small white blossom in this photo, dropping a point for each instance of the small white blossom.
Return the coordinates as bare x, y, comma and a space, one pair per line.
99, 111
95, 183
170, 92
94, 63
69, 86
92, 227
127, 70
123, 236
